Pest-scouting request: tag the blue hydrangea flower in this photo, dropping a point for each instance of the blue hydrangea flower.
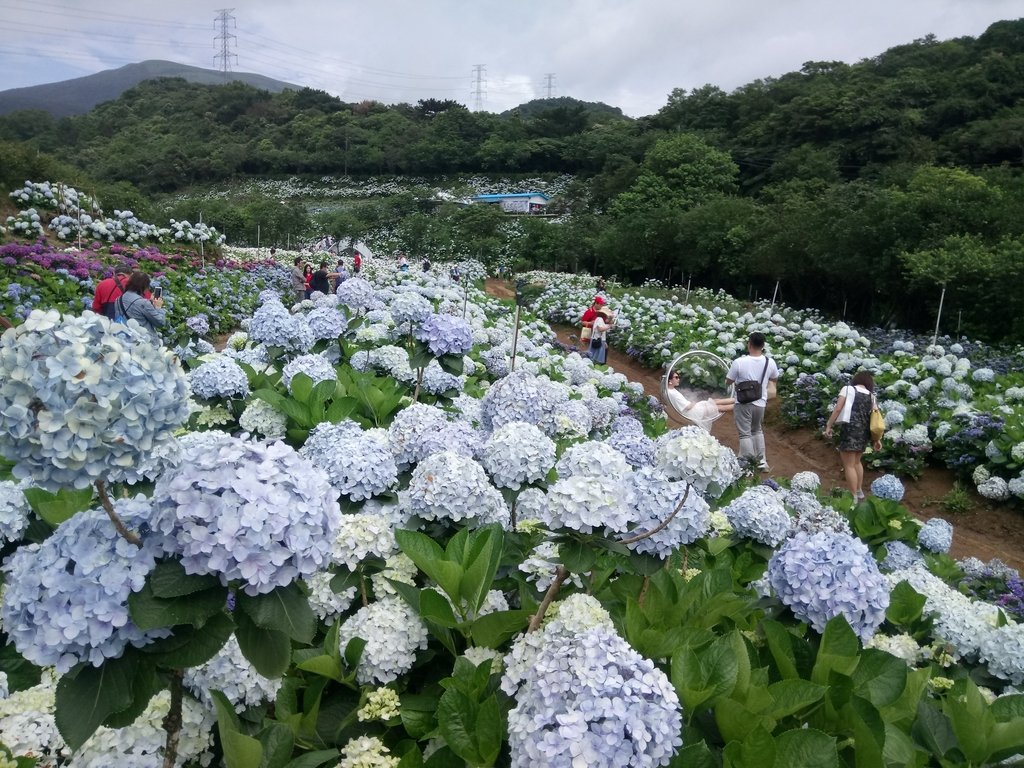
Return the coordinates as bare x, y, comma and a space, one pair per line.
315, 366
257, 513
520, 396
448, 486
438, 381
759, 513
635, 446
586, 697
589, 503
220, 377
83, 399
359, 464
887, 487
275, 326
445, 335
410, 308
823, 575
899, 556
1003, 650
14, 510
936, 535
809, 482
198, 324
357, 294
655, 499
66, 600
410, 430
518, 453
327, 323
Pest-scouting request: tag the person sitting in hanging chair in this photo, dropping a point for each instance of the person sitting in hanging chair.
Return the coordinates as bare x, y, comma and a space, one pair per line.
700, 412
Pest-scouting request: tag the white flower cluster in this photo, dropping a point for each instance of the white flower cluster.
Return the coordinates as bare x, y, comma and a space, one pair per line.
901, 646
83, 399
449, 486
358, 463
393, 633
231, 673
589, 699
325, 602
66, 599
254, 512
591, 502
541, 564
693, 455
361, 535
261, 418
411, 430
809, 482
518, 453
593, 457
27, 724
141, 744
381, 704
367, 752
1003, 650
316, 367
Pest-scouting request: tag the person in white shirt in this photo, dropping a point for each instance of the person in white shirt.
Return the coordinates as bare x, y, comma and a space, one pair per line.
753, 366
853, 413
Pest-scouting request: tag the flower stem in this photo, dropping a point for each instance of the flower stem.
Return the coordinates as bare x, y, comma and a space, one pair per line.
101, 489
560, 575
662, 524
172, 721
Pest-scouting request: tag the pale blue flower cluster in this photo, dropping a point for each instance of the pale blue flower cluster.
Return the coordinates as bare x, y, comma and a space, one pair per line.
887, 487
409, 307
635, 446
593, 458
275, 326
315, 366
588, 503
936, 535
437, 381
231, 673
1003, 650
14, 511
823, 575
358, 463
520, 396
899, 555
327, 604
449, 486
655, 499
586, 698
327, 323
760, 514
393, 633
198, 324
809, 482
812, 516
360, 535
66, 599
693, 455
445, 335
518, 453
83, 399
220, 377
252, 512
357, 294
261, 418
409, 433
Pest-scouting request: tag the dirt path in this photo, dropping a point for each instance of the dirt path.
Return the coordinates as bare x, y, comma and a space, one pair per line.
987, 531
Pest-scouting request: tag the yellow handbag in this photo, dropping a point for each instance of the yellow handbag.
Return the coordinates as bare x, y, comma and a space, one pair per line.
877, 424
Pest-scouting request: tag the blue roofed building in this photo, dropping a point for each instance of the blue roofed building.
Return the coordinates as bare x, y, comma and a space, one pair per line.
516, 202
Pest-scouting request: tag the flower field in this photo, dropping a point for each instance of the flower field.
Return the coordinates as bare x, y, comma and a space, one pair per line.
388, 527
956, 404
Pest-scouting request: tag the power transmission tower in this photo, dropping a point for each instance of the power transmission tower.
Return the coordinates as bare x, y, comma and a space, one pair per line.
549, 84
479, 86
225, 37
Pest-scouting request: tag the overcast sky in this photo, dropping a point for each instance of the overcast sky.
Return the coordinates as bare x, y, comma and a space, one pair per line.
627, 53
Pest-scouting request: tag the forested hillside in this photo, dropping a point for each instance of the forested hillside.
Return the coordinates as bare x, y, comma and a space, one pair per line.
862, 188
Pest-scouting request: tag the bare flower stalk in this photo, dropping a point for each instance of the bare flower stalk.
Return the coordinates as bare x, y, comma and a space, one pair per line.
662, 524
131, 536
560, 575
173, 720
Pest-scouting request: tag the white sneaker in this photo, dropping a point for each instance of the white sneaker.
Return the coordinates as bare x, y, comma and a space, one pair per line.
763, 466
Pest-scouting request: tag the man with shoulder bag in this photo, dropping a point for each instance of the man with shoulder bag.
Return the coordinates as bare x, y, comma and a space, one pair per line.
754, 375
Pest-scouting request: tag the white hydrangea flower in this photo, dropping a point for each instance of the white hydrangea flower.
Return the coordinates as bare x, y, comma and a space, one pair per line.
231, 673
393, 633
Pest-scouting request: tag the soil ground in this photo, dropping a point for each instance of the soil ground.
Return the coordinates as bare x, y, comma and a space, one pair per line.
987, 531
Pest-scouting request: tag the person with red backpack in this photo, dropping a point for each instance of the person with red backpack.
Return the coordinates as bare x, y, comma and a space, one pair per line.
357, 261
109, 289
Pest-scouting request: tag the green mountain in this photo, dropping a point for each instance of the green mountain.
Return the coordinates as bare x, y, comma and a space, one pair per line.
79, 95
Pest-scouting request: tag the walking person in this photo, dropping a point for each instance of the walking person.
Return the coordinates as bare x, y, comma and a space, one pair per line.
853, 413
603, 323
752, 373
298, 280
587, 321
